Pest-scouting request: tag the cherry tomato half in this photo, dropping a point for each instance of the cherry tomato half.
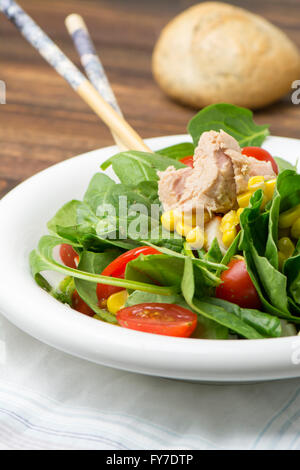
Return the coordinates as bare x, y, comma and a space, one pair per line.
189, 161
160, 319
237, 286
68, 255
80, 305
117, 269
260, 154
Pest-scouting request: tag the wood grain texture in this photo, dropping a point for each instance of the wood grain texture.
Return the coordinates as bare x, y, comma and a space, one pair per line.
44, 122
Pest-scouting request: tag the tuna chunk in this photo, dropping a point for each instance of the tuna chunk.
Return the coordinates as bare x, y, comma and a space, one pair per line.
220, 173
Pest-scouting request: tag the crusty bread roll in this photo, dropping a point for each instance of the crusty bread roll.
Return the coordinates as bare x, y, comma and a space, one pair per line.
214, 52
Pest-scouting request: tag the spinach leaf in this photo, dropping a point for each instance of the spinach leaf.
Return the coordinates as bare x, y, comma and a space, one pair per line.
94, 263
178, 151
98, 191
87, 238
288, 186
63, 293
271, 285
252, 243
209, 328
66, 216
214, 253
271, 247
292, 271
210, 278
162, 270
265, 324
133, 167
236, 121
284, 165
211, 311
42, 260
231, 252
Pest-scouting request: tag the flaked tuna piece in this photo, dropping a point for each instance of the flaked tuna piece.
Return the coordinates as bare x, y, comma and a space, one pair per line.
171, 186
220, 173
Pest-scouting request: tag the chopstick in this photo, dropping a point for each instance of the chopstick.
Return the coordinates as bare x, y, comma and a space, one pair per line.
60, 62
92, 63
90, 60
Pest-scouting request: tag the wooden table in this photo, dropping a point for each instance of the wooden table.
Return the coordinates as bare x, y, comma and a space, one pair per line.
44, 121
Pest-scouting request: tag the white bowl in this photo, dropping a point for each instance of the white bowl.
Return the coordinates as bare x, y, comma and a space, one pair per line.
23, 215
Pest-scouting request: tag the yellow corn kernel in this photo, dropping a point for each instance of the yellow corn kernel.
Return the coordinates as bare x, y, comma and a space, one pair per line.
244, 199
295, 230
117, 301
256, 182
269, 188
281, 259
287, 218
196, 238
228, 220
196, 217
168, 220
239, 257
286, 246
229, 236
183, 229
239, 212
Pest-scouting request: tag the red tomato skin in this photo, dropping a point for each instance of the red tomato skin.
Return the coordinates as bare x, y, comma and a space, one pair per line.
158, 318
68, 255
237, 286
189, 161
117, 269
260, 154
80, 305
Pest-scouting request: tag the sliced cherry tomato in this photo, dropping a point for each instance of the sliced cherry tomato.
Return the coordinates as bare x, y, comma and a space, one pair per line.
189, 161
160, 319
80, 305
68, 255
117, 269
237, 286
260, 154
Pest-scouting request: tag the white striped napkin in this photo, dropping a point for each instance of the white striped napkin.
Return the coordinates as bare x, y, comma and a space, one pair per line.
50, 400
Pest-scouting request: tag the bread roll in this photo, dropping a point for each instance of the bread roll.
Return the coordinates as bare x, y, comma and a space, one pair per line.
214, 52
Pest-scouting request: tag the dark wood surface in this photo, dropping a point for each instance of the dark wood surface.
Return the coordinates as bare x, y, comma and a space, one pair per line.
45, 122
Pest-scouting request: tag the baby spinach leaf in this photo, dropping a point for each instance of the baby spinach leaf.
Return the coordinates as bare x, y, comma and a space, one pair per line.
265, 324
66, 216
88, 239
64, 291
231, 252
207, 267
210, 329
178, 151
236, 121
271, 247
292, 271
133, 167
213, 312
288, 186
214, 253
284, 165
98, 190
252, 242
42, 260
94, 263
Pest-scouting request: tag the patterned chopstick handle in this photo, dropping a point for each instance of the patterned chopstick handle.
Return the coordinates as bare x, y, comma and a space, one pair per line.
40, 41
90, 60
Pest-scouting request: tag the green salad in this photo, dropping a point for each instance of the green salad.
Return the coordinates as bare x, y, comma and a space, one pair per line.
129, 258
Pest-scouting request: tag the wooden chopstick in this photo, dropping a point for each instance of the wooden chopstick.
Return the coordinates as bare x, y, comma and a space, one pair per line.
92, 64
59, 61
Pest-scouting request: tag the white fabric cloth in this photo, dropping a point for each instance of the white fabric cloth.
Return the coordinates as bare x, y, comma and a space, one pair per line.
50, 400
